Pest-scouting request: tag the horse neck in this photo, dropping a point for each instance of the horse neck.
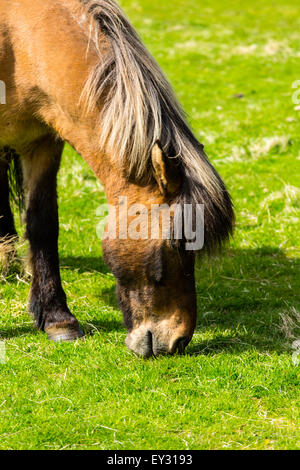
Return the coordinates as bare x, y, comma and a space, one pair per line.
61, 59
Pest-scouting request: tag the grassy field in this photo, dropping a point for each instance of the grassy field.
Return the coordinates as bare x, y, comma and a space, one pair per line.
232, 64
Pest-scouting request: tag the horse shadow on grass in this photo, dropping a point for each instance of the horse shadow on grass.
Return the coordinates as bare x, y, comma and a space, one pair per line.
243, 298
16, 331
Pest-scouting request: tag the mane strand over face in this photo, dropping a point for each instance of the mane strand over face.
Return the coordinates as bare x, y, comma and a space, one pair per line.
138, 108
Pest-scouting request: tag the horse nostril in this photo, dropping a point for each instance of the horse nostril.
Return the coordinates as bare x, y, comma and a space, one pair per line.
149, 342
145, 347
140, 342
180, 344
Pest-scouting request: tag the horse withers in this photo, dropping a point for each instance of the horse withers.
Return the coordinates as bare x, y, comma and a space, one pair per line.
75, 71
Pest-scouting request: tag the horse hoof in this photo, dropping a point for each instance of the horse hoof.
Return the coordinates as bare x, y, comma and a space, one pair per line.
64, 333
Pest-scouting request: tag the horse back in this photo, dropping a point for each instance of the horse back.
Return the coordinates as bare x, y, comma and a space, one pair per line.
44, 65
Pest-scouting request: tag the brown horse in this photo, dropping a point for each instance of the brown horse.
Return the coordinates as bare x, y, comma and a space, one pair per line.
75, 71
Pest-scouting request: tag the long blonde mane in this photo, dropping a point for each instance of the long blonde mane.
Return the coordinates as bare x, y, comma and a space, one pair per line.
138, 108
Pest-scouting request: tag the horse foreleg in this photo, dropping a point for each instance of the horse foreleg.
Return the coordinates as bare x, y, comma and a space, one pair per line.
48, 300
8, 232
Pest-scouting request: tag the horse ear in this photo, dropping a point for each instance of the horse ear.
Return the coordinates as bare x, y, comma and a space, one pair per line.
166, 174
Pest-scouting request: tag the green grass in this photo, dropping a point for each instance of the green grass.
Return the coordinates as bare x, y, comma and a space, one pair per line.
237, 387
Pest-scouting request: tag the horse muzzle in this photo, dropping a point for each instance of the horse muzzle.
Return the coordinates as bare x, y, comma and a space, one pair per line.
149, 342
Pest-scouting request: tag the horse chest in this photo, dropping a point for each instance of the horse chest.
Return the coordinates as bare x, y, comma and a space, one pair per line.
18, 129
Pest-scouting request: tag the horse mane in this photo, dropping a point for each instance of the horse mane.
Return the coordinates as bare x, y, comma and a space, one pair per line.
139, 108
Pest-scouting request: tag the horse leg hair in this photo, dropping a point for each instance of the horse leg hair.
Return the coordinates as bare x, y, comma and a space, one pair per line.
7, 226
48, 300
